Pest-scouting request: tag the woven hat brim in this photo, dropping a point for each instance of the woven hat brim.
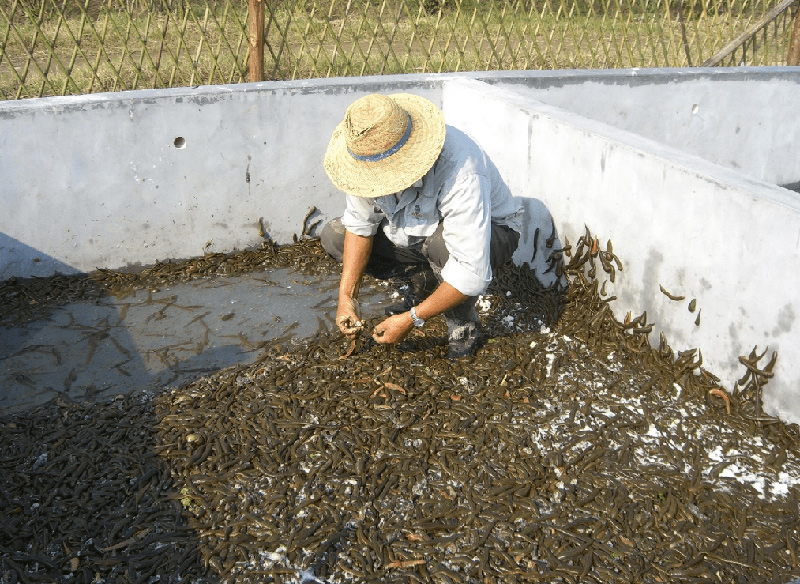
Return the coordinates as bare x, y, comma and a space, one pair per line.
398, 171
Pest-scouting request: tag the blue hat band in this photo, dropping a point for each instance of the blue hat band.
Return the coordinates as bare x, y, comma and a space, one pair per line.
390, 151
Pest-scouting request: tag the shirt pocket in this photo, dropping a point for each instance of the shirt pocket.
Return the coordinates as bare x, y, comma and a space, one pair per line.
422, 216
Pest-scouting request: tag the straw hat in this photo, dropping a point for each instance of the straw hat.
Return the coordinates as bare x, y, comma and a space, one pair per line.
385, 144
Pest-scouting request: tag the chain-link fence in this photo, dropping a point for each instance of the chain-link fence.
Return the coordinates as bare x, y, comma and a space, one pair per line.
59, 47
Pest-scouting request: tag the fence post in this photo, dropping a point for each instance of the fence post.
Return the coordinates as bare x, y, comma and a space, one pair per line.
255, 25
794, 44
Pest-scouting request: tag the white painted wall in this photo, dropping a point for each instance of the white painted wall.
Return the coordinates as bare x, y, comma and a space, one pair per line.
697, 228
98, 181
725, 115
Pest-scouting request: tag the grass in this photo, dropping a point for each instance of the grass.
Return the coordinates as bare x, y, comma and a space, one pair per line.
135, 44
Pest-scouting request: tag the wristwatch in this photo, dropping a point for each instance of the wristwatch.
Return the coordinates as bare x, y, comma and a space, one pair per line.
418, 322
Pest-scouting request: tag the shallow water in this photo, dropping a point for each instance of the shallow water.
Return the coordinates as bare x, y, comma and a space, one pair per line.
95, 350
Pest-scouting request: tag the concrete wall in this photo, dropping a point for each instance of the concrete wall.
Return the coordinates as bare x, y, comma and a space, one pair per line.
741, 118
113, 180
696, 228
124, 179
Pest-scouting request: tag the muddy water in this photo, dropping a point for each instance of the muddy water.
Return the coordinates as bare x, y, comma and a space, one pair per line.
164, 335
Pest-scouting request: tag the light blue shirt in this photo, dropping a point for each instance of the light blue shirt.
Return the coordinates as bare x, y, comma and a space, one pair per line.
465, 191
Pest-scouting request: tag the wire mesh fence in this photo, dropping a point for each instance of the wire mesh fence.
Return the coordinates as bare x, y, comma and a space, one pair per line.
60, 47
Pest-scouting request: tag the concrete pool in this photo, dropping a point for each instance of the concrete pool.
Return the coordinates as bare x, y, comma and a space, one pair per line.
679, 168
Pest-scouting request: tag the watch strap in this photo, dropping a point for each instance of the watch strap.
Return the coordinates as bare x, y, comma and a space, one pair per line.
418, 322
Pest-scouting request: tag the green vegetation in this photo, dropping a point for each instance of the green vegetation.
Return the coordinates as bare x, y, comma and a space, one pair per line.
55, 47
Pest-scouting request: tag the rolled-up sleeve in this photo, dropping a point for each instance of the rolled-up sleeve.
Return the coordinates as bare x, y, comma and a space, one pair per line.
466, 211
361, 216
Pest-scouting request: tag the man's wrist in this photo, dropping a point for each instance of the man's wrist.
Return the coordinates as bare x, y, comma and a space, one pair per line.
347, 296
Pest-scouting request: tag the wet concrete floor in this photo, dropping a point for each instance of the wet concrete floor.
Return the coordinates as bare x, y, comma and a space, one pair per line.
96, 350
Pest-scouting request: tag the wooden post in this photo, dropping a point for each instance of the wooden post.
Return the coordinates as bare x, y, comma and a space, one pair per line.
255, 26
793, 58
682, 20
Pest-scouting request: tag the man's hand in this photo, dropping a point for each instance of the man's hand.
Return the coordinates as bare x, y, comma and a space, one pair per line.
356, 253
394, 329
347, 318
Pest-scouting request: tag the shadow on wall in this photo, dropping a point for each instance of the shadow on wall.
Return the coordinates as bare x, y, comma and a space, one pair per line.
795, 186
23, 261
540, 243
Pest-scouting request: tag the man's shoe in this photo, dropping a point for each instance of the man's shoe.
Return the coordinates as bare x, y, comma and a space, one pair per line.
423, 283
464, 338
463, 328
381, 270
398, 308
413, 289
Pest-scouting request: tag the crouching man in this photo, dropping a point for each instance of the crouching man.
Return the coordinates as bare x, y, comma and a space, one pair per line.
417, 192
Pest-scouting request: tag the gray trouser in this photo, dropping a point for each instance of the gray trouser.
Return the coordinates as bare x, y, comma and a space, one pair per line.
433, 251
